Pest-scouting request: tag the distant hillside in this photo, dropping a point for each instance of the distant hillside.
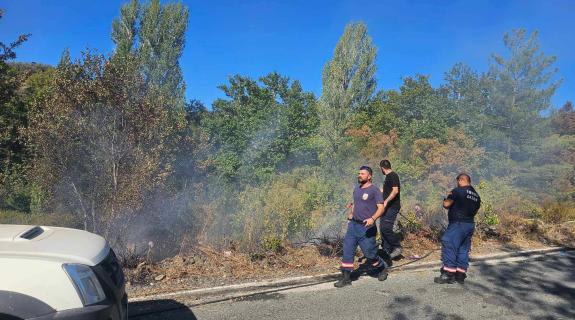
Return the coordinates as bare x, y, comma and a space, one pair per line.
28, 68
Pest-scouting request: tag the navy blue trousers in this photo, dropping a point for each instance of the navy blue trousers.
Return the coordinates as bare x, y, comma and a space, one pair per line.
386, 222
358, 234
456, 244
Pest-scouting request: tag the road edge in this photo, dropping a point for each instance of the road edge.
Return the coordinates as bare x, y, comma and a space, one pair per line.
223, 293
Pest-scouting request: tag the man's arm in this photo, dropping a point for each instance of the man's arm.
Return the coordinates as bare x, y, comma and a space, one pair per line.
448, 201
371, 221
350, 212
394, 192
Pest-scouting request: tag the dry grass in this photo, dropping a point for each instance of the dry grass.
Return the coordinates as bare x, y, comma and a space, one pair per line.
516, 229
206, 267
556, 212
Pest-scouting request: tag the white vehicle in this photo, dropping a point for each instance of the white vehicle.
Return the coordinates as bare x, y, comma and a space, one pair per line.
59, 273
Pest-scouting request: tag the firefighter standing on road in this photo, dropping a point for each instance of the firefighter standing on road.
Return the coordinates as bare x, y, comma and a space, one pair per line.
463, 203
361, 229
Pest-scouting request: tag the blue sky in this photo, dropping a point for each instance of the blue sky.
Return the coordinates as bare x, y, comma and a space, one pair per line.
297, 37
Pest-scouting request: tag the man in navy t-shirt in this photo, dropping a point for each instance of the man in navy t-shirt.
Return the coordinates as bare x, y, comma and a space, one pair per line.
463, 203
361, 229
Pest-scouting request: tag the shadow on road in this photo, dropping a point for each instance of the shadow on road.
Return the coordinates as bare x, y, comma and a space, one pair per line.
536, 290
154, 309
524, 287
406, 307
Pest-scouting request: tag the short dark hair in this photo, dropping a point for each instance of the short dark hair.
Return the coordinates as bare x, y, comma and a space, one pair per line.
464, 175
385, 164
366, 168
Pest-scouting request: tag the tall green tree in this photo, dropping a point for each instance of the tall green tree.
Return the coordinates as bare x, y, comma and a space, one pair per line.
260, 125
424, 111
125, 28
468, 95
380, 114
348, 83
520, 88
155, 34
415, 111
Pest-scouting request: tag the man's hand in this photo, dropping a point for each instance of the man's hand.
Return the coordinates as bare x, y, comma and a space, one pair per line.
350, 212
377, 214
369, 222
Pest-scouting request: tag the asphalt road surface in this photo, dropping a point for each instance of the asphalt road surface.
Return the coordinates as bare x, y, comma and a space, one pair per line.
543, 289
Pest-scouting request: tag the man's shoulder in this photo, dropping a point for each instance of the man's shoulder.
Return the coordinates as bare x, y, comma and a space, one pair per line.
373, 188
394, 176
458, 190
391, 176
470, 188
464, 191
366, 189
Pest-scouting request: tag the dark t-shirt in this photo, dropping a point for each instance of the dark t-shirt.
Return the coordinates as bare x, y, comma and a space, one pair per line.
392, 180
365, 202
466, 203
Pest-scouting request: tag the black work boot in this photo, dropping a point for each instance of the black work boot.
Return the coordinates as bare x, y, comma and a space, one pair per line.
382, 275
381, 270
395, 253
345, 279
446, 277
364, 267
460, 277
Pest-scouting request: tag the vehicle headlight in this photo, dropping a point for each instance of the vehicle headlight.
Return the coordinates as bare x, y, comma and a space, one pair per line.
86, 283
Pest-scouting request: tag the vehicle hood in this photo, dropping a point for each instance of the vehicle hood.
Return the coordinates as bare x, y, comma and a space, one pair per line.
54, 243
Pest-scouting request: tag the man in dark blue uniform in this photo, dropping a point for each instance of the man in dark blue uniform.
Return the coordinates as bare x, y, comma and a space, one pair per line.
463, 203
361, 229
392, 205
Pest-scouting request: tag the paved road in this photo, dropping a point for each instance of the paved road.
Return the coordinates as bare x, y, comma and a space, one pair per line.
513, 290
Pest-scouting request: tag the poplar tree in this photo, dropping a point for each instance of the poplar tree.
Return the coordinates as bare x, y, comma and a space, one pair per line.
348, 83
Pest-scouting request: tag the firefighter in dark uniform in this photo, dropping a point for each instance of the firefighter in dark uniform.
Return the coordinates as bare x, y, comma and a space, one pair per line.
361, 229
463, 203
392, 205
